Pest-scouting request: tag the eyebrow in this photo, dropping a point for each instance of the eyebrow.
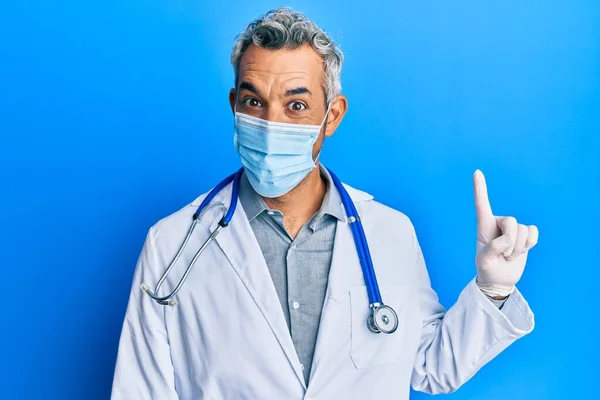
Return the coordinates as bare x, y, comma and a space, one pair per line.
291, 92
299, 90
249, 86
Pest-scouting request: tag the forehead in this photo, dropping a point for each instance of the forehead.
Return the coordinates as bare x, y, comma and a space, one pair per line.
276, 67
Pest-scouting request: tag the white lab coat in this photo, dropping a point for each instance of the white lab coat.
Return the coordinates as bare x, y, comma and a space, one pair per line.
228, 339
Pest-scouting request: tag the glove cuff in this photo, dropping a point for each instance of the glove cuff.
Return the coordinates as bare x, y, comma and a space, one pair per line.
494, 290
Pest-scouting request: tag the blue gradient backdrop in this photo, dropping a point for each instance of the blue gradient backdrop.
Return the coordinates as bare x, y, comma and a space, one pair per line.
114, 114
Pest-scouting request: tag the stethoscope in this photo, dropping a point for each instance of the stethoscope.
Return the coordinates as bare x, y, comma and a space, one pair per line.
383, 318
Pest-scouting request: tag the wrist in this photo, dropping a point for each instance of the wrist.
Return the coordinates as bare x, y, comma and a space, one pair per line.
495, 291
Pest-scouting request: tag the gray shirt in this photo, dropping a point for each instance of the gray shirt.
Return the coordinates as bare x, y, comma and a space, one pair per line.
299, 267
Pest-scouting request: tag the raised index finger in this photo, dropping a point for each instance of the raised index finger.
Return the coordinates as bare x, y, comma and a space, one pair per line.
482, 202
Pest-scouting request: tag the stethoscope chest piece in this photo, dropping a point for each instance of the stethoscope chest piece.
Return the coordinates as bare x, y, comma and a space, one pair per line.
382, 319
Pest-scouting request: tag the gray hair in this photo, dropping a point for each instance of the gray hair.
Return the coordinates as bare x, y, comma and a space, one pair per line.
286, 28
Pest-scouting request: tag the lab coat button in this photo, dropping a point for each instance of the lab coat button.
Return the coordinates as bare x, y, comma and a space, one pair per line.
296, 305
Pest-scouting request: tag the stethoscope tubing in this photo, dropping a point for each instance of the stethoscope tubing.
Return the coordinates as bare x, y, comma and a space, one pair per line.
360, 240
234, 196
353, 220
168, 299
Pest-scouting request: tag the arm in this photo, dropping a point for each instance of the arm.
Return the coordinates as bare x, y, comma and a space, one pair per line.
144, 369
456, 344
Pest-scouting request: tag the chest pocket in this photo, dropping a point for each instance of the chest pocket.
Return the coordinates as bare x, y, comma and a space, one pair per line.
369, 349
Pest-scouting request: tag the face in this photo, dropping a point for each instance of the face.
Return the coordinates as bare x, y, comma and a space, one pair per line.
286, 86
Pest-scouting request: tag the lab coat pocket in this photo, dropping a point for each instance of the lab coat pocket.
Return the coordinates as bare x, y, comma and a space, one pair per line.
370, 349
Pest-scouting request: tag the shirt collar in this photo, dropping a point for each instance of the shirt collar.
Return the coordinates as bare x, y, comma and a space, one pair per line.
254, 204
332, 202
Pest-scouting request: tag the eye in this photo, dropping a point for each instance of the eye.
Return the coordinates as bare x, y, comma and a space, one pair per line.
296, 106
251, 102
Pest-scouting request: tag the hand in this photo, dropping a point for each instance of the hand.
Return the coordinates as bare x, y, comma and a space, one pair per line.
502, 245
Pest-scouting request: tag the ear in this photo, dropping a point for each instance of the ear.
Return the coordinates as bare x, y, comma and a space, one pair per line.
232, 100
337, 110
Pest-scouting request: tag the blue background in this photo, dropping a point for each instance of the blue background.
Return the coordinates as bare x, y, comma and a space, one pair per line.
114, 114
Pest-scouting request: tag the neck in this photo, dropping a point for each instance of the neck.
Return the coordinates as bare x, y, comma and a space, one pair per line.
301, 203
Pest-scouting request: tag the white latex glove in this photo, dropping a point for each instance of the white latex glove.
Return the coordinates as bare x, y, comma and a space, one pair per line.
502, 245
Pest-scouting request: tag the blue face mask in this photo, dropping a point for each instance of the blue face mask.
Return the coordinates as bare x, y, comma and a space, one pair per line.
276, 155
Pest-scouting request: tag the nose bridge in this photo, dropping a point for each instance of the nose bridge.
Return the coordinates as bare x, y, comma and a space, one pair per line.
274, 110
270, 113
275, 107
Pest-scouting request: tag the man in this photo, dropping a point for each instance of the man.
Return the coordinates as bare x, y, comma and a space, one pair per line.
277, 306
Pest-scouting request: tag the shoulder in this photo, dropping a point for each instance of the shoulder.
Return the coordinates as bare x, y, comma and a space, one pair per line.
392, 240
372, 209
381, 220
177, 221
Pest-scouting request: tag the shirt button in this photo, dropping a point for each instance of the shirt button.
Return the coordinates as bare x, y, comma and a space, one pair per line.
302, 367
294, 247
296, 305
271, 212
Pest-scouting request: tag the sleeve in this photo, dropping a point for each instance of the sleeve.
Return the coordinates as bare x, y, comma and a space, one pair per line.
456, 344
144, 369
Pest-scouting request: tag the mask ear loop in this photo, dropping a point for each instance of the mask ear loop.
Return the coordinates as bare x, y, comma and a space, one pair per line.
323, 122
326, 115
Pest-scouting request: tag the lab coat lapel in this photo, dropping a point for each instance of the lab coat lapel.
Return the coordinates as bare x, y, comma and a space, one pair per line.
332, 327
241, 248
